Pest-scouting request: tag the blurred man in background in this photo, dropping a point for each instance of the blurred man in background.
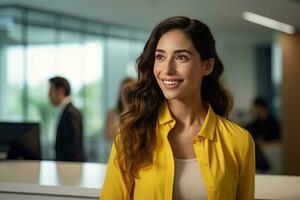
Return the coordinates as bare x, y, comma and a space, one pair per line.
69, 136
265, 130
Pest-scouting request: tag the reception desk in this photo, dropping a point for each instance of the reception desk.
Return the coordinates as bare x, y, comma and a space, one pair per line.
44, 180
277, 187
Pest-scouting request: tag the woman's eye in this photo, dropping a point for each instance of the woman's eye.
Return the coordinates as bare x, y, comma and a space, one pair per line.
181, 57
159, 57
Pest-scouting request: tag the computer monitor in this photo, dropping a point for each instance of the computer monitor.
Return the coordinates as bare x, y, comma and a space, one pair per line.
20, 140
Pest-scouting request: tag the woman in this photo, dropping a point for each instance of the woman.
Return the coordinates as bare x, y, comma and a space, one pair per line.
112, 116
174, 141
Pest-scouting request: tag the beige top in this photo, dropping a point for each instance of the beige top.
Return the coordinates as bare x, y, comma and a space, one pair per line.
188, 181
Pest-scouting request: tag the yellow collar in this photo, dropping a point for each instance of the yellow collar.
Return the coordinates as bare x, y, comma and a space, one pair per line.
209, 125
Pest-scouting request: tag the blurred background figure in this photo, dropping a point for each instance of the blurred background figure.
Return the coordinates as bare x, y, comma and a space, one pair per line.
265, 130
112, 116
69, 142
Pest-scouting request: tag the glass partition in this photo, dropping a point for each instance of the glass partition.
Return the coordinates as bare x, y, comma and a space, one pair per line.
36, 45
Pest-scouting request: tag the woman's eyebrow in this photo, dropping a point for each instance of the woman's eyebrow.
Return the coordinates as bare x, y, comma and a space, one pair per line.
176, 51
183, 51
160, 51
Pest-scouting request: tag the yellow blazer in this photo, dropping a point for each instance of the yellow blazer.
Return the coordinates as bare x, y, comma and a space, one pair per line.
225, 153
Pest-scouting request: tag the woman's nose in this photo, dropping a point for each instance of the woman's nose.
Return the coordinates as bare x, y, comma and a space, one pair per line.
170, 67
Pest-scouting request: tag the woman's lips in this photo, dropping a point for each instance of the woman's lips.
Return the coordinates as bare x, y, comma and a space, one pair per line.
171, 83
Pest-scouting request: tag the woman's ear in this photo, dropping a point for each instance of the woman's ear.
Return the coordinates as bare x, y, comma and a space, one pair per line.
208, 66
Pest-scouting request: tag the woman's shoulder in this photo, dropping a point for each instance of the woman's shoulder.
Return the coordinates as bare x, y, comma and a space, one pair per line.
235, 138
233, 131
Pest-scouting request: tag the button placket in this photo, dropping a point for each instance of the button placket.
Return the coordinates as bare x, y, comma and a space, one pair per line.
205, 168
204, 164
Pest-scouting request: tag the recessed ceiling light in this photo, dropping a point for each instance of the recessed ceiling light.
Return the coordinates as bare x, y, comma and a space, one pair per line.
271, 23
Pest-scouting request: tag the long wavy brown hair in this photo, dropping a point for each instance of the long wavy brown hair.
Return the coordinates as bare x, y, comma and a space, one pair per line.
136, 140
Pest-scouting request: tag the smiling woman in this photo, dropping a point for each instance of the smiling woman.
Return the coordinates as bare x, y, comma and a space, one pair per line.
176, 123
178, 66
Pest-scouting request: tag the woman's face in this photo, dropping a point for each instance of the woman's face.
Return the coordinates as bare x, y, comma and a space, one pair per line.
178, 67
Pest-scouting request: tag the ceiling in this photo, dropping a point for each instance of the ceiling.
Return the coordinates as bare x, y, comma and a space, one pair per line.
220, 15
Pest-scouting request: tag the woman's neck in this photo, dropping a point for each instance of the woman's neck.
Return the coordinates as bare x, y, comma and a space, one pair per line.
187, 113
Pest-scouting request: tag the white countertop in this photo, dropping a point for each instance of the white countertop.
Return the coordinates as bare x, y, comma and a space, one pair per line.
277, 187
86, 180
52, 178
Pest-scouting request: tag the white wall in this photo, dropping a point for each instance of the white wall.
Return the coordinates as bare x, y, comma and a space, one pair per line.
237, 51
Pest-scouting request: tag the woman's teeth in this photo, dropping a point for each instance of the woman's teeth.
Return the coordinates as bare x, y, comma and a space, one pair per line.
171, 82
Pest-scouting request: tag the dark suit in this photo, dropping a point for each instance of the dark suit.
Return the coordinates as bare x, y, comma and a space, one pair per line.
69, 141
